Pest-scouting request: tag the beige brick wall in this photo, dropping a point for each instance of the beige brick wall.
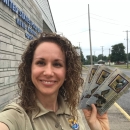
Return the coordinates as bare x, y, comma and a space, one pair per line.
12, 44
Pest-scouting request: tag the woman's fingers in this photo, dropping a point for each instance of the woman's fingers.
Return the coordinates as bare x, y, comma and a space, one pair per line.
94, 112
96, 121
90, 115
87, 113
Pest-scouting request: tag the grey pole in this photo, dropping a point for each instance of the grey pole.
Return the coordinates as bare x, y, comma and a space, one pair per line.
109, 56
90, 36
94, 58
102, 52
127, 49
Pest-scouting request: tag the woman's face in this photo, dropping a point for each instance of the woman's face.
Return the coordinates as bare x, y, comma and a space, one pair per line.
48, 69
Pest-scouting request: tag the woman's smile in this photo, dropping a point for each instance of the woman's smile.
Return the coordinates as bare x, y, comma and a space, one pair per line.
48, 82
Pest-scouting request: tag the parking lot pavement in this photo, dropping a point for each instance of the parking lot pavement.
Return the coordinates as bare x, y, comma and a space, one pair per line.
118, 121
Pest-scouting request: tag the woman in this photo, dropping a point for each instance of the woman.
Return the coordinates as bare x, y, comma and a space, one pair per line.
49, 81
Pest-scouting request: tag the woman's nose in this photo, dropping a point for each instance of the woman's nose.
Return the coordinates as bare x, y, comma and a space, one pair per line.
48, 71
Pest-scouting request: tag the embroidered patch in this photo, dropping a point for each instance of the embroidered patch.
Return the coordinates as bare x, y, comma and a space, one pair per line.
73, 123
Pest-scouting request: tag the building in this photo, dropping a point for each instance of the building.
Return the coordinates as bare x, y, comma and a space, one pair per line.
48, 22
20, 21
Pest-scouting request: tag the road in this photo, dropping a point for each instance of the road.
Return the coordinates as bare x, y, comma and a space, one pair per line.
126, 71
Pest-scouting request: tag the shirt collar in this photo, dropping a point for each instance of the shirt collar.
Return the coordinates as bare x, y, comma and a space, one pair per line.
63, 108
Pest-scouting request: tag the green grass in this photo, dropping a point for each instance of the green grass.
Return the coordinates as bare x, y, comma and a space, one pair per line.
121, 66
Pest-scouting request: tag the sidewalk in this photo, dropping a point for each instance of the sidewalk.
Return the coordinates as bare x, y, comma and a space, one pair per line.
117, 119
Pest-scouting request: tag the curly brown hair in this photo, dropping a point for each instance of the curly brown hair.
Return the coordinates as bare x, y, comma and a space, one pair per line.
70, 88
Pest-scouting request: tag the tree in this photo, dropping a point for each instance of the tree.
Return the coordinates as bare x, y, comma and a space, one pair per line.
80, 53
105, 58
99, 57
128, 56
88, 59
82, 57
118, 53
109, 59
94, 59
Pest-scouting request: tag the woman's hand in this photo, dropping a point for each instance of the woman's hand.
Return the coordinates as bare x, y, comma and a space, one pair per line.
96, 121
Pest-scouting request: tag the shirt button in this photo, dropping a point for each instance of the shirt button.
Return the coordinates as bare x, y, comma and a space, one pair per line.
57, 125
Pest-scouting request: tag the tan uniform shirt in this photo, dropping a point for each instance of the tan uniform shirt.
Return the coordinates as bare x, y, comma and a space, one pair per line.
16, 118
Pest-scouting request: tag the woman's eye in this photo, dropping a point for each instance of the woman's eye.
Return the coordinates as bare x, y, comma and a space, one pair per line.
40, 63
57, 64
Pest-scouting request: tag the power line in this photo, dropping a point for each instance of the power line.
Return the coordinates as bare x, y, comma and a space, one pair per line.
86, 17
93, 18
109, 22
65, 24
94, 31
78, 33
72, 18
104, 21
106, 33
104, 17
79, 20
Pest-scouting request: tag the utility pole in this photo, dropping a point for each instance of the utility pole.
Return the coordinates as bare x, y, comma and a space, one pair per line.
80, 52
94, 58
127, 47
90, 36
102, 52
79, 48
109, 56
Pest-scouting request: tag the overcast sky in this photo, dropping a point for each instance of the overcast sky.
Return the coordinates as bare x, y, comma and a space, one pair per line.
108, 18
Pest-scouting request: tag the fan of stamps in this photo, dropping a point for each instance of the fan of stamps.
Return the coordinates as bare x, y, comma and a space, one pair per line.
103, 86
